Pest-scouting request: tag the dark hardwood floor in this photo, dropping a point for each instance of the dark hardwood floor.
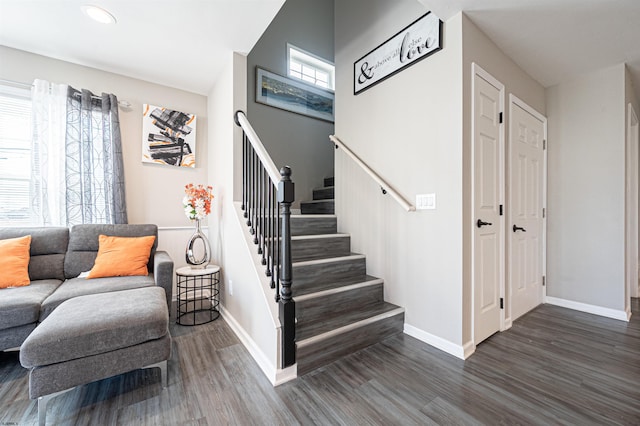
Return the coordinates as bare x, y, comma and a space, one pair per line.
554, 366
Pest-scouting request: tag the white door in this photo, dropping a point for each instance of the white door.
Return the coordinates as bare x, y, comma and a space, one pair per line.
525, 225
488, 183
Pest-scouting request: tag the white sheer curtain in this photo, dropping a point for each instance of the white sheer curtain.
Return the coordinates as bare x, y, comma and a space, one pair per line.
48, 187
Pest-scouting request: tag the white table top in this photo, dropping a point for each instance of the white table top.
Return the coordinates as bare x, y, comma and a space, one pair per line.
188, 272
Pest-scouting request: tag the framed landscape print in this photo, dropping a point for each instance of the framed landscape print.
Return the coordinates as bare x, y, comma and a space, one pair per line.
295, 96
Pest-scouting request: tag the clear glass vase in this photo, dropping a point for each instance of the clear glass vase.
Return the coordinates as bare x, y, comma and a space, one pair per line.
203, 261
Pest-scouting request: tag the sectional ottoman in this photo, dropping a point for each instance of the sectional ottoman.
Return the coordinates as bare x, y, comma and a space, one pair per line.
72, 330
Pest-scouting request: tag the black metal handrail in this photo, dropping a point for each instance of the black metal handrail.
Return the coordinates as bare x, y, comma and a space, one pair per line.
267, 195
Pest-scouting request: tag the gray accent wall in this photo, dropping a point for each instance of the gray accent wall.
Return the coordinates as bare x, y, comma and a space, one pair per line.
291, 139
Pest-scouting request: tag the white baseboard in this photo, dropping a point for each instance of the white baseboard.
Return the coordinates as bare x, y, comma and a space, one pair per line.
285, 375
468, 349
507, 324
275, 375
590, 309
458, 351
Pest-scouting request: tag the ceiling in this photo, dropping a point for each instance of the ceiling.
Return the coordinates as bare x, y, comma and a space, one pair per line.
556, 40
180, 44
183, 43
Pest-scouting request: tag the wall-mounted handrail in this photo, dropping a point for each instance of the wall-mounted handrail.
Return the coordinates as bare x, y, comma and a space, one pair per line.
267, 195
386, 188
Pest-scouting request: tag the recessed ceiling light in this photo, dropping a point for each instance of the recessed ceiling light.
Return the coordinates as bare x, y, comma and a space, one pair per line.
98, 14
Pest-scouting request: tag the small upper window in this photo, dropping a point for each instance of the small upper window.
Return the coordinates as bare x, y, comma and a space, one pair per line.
310, 68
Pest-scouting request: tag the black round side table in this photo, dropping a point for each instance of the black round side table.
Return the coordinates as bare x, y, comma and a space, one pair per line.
198, 295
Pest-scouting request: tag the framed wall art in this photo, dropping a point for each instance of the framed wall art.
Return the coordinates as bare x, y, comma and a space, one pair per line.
294, 96
420, 39
168, 137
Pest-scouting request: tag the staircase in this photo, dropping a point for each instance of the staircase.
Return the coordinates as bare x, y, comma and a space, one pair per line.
322, 202
339, 308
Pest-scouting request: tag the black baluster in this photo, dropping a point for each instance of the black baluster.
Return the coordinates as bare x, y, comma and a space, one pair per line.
263, 199
256, 179
274, 235
249, 180
254, 184
269, 238
260, 195
244, 167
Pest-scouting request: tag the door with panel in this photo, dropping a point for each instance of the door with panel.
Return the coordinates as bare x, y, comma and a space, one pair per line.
526, 179
488, 225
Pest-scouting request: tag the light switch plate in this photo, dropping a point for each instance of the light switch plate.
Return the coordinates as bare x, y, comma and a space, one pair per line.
426, 201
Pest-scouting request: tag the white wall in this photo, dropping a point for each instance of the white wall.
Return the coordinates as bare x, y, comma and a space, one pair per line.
478, 48
586, 191
247, 301
292, 139
153, 192
409, 129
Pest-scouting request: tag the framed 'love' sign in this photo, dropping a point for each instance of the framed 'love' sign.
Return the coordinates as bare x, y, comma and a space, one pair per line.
420, 39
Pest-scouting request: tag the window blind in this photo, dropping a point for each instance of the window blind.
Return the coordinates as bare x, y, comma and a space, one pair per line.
15, 155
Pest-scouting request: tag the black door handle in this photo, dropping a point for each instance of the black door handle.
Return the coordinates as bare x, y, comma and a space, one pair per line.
517, 228
480, 223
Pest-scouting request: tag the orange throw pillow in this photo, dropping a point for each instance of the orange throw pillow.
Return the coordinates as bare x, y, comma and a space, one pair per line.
14, 262
122, 256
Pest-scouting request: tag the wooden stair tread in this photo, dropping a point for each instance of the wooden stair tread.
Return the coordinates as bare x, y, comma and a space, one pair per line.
329, 285
322, 274
369, 280
306, 331
310, 224
318, 236
319, 246
313, 216
324, 193
318, 207
328, 200
317, 351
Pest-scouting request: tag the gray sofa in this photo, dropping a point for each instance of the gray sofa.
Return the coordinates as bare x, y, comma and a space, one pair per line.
58, 256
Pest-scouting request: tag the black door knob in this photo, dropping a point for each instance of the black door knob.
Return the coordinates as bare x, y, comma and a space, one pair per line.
480, 223
517, 228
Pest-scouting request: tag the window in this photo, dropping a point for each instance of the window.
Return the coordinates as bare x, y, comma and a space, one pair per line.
15, 155
310, 68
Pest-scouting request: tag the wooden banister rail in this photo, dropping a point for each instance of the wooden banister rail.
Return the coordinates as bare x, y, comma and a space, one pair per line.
386, 188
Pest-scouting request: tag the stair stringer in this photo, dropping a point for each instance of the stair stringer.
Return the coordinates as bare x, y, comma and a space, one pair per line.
255, 317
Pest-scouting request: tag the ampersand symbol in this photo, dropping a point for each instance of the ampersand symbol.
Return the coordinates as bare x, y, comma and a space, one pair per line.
365, 73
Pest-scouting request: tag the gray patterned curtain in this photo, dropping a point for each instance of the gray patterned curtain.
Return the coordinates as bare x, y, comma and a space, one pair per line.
94, 168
